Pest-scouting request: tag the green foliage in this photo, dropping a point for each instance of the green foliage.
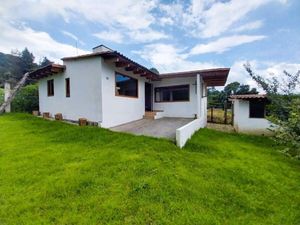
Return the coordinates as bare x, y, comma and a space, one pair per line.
284, 108
154, 70
44, 62
27, 99
10, 68
289, 132
14, 65
217, 98
56, 173
27, 61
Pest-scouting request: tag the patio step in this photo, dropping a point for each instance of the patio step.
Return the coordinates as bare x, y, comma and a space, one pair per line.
152, 114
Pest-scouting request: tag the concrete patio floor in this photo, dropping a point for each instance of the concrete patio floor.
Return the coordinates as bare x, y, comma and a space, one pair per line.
164, 127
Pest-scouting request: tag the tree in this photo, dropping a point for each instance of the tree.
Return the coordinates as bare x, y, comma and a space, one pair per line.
44, 62
27, 60
154, 70
284, 109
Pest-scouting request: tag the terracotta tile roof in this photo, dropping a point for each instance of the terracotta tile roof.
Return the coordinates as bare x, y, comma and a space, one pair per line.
111, 54
249, 96
46, 71
212, 77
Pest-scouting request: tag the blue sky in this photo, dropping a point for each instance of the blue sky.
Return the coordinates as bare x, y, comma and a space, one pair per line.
168, 35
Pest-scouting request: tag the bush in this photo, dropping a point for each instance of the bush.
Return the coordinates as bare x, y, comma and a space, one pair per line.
27, 99
289, 131
284, 110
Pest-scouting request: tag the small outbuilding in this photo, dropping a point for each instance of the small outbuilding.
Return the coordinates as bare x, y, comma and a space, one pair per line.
249, 113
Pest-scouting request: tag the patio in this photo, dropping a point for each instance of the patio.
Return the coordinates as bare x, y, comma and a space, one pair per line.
164, 127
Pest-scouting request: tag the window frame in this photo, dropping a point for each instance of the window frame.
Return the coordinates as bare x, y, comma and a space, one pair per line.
68, 87
172, 87
255, 102
50, 88
126, 96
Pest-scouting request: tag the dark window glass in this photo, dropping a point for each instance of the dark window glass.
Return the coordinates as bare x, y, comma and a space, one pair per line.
172, 93
126, 86
67, 87
257, 109
50, 87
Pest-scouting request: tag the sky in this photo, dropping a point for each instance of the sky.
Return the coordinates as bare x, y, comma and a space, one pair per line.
168, 35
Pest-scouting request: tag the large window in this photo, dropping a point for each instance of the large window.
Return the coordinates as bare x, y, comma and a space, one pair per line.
68, 87
50, 87
126, 86
172, 93
257, 109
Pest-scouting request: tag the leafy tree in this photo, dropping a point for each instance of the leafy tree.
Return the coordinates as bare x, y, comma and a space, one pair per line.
44, 62
27, 60
284, 109
154, 70
218, 98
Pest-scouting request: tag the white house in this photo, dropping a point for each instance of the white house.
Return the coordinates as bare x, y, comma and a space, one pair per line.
108, 88
249, 114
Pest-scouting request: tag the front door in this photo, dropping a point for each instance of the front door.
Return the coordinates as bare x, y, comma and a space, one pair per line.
148, 97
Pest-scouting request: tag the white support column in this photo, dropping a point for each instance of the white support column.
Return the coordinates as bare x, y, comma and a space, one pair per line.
198, 96
7, 92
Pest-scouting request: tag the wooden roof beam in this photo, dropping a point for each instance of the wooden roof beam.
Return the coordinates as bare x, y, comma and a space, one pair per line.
122, 64
112, 59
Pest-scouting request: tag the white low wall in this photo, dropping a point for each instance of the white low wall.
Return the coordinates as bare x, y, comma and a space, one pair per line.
185, 133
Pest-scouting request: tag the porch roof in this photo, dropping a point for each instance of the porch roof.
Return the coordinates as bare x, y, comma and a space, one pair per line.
212, 77
47, 71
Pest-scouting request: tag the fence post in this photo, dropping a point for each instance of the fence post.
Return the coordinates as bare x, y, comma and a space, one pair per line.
212, 114
225, 112
7, 92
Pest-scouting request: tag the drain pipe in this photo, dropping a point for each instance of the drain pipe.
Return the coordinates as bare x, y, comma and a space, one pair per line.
198, 96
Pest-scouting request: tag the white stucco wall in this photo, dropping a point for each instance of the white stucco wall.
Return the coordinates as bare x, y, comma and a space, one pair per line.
119, 109
184, 133
243, 123
85, 90
177, 109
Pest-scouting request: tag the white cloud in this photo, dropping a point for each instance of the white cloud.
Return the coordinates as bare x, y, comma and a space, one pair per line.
205, 19
73, 36
132, 14
249, 26
224, 44
168, 58
40, 43
163, 21
113, 36
147, 35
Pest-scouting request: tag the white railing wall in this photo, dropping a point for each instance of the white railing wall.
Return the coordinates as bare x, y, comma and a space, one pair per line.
183, 134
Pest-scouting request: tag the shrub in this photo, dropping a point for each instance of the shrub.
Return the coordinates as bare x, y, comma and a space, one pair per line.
289, 131
27, 99
284, 109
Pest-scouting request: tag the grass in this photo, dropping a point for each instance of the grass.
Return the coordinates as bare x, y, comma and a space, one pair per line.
218, 115
56, 173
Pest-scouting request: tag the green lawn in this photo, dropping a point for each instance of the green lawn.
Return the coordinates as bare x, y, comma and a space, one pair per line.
56, 173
